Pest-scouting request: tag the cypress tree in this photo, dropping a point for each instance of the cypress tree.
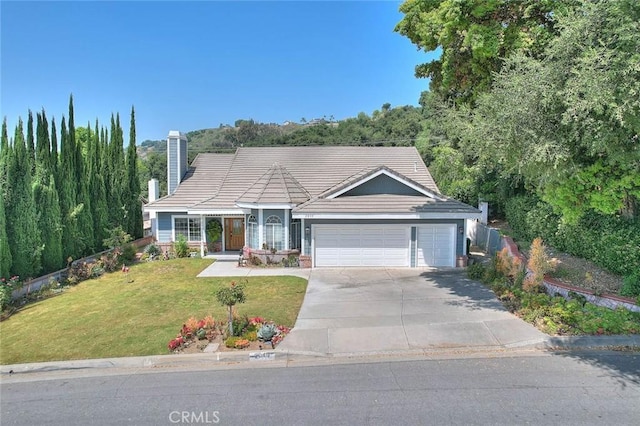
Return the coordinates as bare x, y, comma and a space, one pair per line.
83, 201
71, 242
5, 251
116, 171
47, 201
43, 149
50, 224
21, 214
54, 160
31, 152
134, 209
99, 209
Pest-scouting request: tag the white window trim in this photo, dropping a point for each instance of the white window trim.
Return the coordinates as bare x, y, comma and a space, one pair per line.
184, 216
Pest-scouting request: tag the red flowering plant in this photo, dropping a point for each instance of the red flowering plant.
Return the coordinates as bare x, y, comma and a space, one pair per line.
193, 330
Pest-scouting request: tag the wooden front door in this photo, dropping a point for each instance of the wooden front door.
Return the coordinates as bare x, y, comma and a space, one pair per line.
234, 233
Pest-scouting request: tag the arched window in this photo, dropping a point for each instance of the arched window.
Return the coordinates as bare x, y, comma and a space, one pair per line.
252, 231
274, 236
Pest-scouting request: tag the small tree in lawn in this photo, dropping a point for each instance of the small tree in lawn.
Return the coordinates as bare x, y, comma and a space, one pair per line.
230, 296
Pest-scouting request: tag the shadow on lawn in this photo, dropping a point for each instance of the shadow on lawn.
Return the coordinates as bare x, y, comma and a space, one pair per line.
472, 294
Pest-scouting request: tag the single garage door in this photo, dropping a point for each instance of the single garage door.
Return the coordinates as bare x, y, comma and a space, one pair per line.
361, 245
436, 245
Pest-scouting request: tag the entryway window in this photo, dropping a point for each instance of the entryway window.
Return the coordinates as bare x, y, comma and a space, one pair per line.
273, 233
187, 226
252, 231
295, 236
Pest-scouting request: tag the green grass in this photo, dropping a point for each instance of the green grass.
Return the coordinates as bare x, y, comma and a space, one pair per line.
111, 317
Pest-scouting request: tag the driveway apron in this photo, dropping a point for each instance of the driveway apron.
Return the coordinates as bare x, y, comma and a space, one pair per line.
363, 311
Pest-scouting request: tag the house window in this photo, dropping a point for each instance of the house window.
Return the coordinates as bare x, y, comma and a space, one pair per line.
252, 231
187, 226
274, 237
294, 234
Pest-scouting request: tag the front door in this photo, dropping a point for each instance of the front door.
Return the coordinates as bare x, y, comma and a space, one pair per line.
234, 233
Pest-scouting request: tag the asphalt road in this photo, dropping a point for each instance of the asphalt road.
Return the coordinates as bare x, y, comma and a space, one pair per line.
572, 388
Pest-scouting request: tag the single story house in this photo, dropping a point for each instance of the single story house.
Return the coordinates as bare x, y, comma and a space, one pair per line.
339, 205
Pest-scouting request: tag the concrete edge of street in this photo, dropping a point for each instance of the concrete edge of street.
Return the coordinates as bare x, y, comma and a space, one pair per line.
234, 358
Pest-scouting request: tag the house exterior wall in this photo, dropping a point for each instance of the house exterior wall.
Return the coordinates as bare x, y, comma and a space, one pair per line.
460, 238
165, 227
382, 184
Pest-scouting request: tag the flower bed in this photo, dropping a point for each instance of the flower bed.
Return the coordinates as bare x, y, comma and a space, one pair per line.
252, 334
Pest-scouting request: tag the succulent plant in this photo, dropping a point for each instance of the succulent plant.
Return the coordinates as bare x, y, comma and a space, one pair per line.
266, 332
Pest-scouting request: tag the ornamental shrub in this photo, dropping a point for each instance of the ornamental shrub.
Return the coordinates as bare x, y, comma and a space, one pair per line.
181, 247
611, 242
631, 285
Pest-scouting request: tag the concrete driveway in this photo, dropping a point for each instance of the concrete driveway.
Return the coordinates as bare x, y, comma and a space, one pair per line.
365, 311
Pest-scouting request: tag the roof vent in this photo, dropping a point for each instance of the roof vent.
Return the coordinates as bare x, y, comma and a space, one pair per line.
415, 166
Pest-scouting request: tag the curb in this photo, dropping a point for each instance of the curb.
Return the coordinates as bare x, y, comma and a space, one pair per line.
221, 359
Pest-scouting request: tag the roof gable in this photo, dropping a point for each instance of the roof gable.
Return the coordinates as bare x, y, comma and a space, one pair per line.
276, 186
381, 180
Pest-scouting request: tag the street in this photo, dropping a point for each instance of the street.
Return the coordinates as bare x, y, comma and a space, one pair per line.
569, 388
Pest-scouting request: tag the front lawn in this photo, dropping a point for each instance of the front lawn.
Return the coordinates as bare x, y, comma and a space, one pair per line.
137, 313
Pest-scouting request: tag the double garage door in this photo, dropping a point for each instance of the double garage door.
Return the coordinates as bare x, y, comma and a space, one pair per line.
383, 245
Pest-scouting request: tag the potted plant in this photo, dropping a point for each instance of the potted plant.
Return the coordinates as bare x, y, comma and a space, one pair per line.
214, 231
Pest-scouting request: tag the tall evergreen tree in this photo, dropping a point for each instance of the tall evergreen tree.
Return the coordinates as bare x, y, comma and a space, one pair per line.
47, 201
5, 251
115, 171
71, 239
50, 224
134, 208
22, 217
43, 148
31, 152
83, 201
54, 160
99, 209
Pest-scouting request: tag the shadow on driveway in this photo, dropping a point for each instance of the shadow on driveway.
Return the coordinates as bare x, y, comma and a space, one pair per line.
469, 294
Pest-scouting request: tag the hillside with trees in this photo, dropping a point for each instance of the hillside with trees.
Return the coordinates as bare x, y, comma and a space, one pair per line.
388, 126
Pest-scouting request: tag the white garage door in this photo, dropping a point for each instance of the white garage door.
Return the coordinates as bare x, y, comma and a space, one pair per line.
436, 245
361, 245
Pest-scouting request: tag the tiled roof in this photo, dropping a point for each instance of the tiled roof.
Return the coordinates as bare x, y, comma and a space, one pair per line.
290, 174
275, 186
383, 203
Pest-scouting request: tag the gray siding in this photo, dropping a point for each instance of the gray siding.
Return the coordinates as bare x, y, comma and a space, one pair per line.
165, 225
184, 160
382, 184
460, 238
172, 164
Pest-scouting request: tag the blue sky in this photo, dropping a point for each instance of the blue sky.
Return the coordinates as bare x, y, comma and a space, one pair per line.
194, 65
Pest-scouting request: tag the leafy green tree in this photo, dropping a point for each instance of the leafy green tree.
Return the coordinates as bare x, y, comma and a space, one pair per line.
569, 122
474, 36
229, 297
